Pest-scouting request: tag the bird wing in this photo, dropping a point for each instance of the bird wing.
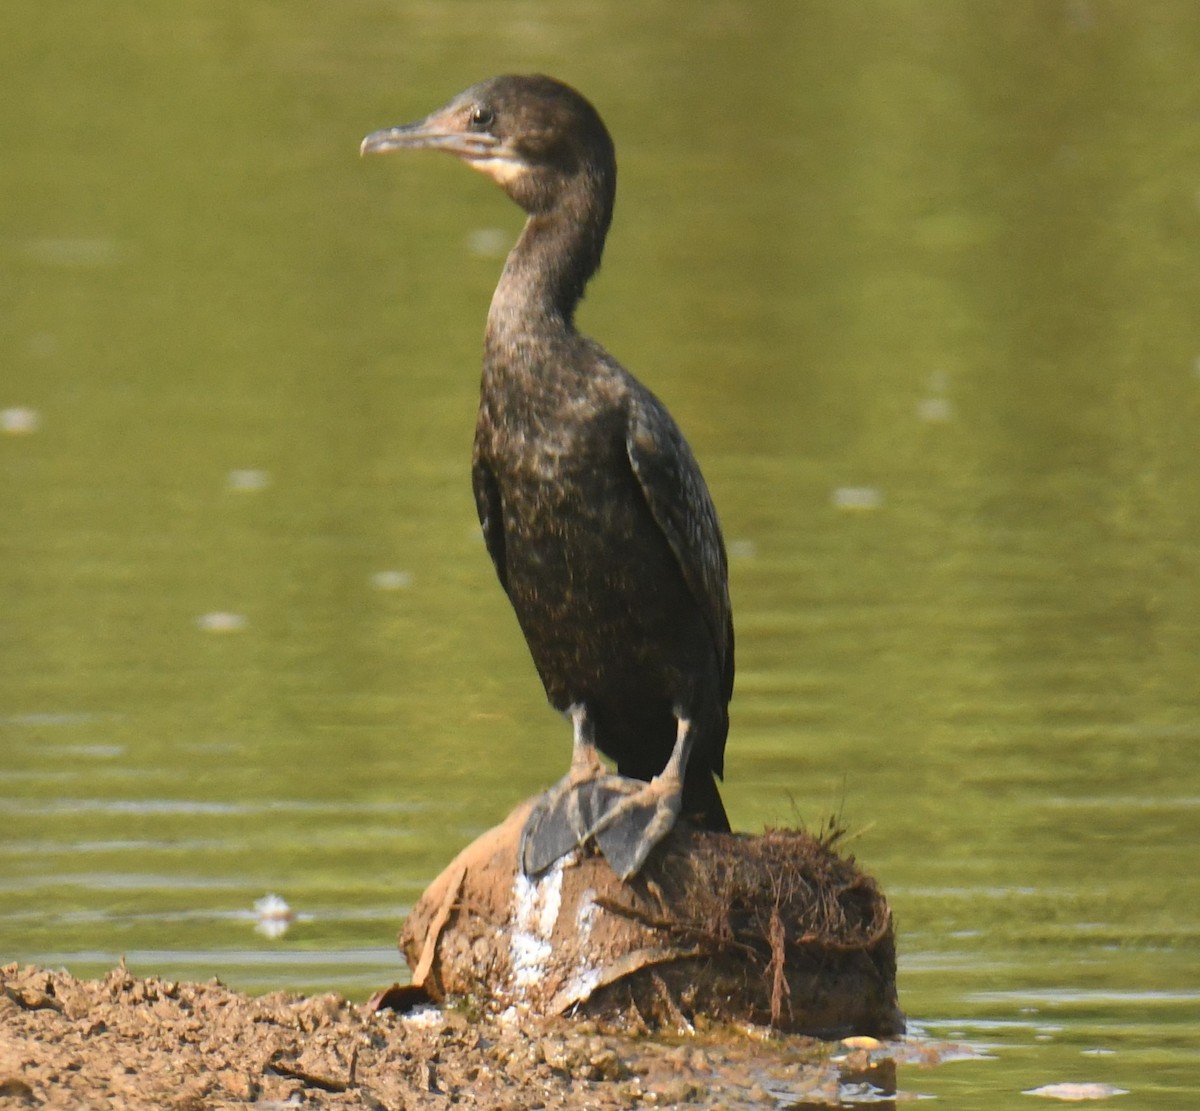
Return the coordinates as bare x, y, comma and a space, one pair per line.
491, 519
681, 505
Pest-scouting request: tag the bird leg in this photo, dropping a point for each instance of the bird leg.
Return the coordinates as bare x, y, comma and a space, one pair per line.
625, 817
563, 817
634, 823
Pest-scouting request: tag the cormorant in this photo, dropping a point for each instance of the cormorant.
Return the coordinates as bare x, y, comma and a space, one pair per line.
594, 511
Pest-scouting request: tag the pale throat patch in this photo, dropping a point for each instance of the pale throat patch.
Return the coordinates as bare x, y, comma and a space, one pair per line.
502, 170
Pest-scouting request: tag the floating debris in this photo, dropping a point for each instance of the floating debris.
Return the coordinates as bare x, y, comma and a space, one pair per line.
19, 421
1076, 1093
857, 497
247, 481
391, 580
221, 622
274, 916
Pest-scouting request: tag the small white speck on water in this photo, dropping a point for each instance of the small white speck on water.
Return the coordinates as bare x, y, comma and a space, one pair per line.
41, 345
19, 421
935, 410
391, 580
221, 622
79, 251
1076, 1093
247, 480
857, 497
488, 242
272, 916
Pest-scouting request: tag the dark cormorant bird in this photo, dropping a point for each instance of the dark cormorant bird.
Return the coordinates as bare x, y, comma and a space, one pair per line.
593, 509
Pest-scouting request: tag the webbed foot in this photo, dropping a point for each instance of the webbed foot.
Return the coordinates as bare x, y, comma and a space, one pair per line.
626, 818
564, 817
636, 823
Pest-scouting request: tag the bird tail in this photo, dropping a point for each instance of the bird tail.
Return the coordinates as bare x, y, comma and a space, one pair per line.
702, 801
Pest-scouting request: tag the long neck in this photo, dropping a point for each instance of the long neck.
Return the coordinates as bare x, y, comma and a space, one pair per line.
550, 265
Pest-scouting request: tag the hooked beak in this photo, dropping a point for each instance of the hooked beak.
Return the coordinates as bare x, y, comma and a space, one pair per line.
431, 133
444, 130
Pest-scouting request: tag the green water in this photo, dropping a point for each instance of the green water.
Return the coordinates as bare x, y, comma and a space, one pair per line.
919, 281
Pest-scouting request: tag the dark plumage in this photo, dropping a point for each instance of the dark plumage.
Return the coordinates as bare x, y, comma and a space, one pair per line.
594, 511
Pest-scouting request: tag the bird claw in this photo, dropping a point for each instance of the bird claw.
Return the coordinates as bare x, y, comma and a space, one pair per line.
625, 818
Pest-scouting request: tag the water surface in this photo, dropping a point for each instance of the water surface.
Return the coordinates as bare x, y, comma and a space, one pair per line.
918, 281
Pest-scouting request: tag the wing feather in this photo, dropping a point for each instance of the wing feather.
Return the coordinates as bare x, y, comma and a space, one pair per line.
682, 507
491, 518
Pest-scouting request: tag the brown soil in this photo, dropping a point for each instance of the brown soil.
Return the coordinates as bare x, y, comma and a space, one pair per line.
128, 1042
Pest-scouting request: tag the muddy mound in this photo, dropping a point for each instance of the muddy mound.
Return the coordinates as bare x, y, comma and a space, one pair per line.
776, 929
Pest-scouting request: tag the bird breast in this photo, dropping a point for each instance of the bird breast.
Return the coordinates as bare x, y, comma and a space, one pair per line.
552, 432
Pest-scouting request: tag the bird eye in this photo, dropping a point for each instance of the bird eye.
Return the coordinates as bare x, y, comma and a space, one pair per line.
481, 118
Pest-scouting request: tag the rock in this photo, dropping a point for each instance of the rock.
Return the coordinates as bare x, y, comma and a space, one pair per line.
718, 928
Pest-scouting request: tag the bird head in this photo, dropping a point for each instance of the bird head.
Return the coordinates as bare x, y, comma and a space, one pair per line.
533, 135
